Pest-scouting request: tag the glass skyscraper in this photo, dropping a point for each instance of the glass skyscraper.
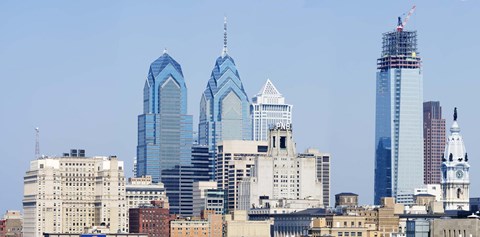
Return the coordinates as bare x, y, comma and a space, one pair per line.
224, 106
164, 128
399, 117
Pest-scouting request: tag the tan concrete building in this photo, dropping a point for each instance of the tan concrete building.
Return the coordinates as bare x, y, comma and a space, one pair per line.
346, 199
455, 227
209, 225
342, 225
11, 224
67, 194
238, 225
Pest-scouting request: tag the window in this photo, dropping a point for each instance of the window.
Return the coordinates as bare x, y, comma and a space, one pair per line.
283, 142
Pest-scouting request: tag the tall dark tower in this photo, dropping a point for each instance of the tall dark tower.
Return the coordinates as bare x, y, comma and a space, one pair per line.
434, 141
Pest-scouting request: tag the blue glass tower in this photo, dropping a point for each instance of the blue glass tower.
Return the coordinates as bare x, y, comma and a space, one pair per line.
164, 128
224, 107
399, 117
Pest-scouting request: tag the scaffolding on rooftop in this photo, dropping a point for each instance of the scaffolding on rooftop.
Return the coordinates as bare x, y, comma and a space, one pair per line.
399, 50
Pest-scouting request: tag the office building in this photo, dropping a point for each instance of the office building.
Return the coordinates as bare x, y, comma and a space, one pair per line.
398, 120
281, 174
164, 128
434, 141
153, 219
141, 190
207, 196
224, 105
323, 163
234, 162
68, 194
269, 108
455, 171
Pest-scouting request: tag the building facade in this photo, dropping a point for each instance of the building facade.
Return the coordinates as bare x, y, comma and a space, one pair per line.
141, 191
398, 120
281, 174
11, 225
224, 106
434, 141
209, 225
153, 220
323, 163
235, 159
164, 128
206, 196
180, 193
268, 109
68, 194
455, 171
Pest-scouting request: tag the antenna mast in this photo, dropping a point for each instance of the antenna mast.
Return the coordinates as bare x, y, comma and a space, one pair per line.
37, 143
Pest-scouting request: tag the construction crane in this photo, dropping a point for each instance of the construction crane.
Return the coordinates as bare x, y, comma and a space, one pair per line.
401, 24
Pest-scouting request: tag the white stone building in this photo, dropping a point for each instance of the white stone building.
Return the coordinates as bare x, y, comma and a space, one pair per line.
67, 194
281, 174
234, 161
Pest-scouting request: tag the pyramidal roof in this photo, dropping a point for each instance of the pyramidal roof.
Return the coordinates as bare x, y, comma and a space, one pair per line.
159, 64
269, 89
455, 146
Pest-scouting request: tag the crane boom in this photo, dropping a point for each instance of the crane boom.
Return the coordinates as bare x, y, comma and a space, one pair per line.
409, 15
401, 24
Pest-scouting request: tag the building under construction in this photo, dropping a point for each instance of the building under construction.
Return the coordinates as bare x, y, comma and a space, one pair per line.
399, 116
399, 50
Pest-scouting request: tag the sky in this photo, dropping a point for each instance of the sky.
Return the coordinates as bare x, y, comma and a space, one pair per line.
76, 70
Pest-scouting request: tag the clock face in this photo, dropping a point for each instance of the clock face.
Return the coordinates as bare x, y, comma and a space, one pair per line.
459, 174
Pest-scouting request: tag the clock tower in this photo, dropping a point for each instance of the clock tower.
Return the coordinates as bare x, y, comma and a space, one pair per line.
455, 171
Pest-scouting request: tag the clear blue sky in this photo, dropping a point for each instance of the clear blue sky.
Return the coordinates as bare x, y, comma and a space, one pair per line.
76, 69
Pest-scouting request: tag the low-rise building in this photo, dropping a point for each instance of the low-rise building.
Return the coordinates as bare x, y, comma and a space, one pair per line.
238, 225
93, 235
466, 227
11, 224
341, 225
346, 199
153, 219
209, 225
206, 196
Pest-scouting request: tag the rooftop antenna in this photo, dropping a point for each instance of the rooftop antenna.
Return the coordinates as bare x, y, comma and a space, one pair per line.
37, 143
224, 36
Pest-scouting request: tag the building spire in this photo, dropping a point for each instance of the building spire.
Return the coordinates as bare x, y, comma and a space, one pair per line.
165, 51
455, 114
224, 36
37, 143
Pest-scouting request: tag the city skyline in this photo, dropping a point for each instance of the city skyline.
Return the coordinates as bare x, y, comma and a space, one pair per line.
50, 104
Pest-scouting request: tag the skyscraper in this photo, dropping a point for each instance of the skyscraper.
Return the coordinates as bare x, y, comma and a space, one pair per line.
434, 141
164, 128
224, 105
398, 120
269, 108
164, 149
